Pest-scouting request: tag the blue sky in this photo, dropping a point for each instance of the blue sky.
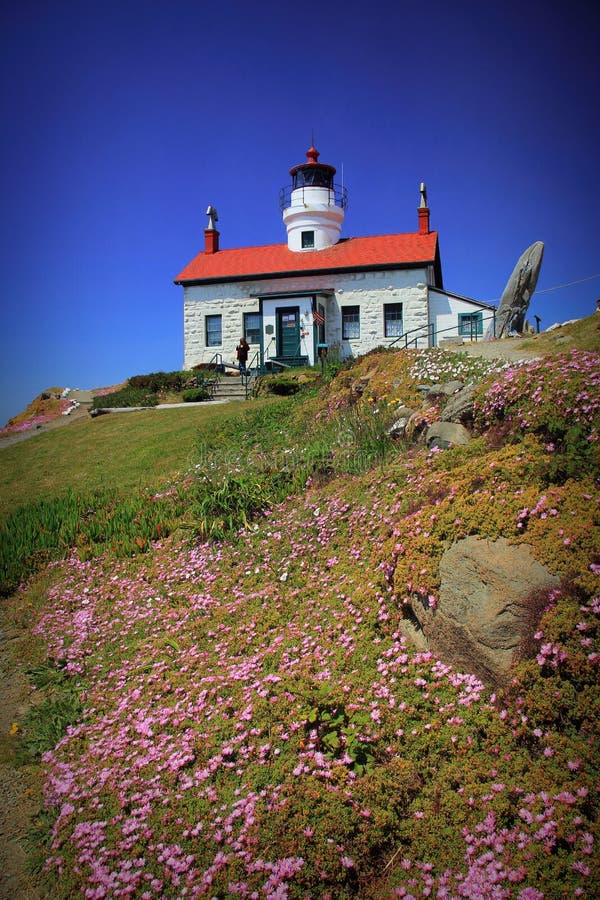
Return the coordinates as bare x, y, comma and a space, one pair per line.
123, 121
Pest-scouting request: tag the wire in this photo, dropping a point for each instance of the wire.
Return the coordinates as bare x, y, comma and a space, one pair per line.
558, 287
568, 284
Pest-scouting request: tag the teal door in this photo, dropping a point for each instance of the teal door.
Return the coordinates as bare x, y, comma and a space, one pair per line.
288, 332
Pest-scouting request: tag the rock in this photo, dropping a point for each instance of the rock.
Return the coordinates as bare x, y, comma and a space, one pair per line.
436, 390
562, 324
514, 303
398, 429
443, 434
447, 389
482, 615
417, 426
461, 406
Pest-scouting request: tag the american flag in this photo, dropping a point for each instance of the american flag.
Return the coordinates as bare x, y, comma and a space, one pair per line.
318, 317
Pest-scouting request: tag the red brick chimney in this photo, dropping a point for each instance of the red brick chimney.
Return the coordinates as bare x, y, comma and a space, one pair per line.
423, 211
211, 240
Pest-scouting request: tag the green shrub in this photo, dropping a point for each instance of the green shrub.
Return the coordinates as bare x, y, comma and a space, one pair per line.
282, 385
127, 396
195, 395
155, 382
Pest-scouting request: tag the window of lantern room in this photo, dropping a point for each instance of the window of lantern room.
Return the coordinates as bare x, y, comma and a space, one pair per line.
308, 240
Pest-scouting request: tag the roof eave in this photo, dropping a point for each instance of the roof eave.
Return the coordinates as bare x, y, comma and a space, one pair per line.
297, 273
483, 303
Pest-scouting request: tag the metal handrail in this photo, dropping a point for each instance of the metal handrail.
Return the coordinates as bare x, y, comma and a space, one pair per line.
420, 328
433, 335
247, 375
473, 333
214, 364
216, 360
265, 358
338, 194
255, 360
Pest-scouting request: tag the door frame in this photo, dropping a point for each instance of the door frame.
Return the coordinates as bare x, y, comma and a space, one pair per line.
280, 311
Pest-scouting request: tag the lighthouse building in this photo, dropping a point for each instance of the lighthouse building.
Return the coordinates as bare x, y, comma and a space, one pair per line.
320, 290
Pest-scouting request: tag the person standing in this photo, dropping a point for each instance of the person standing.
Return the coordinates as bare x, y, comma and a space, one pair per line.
242, 350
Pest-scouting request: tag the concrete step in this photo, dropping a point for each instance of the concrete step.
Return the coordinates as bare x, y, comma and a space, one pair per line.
233, 389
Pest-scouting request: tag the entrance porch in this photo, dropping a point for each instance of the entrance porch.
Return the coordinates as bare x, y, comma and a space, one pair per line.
292, 326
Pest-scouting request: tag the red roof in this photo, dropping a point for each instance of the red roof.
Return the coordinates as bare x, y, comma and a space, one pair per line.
381, 251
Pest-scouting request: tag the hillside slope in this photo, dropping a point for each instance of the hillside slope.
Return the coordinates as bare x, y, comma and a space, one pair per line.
248, 716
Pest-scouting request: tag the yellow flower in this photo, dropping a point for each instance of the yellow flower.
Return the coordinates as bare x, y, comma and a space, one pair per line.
13, 728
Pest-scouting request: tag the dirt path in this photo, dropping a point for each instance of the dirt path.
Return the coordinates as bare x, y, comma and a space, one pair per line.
509, 349
19, 788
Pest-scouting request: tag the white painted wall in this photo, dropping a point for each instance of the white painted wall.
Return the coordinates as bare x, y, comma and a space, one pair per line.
313, 209
368, 290
444, 310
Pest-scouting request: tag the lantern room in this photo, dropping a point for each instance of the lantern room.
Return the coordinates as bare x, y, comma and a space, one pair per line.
313, 205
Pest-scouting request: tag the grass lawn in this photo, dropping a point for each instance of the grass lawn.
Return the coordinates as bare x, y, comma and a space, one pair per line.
583, 334
115, 451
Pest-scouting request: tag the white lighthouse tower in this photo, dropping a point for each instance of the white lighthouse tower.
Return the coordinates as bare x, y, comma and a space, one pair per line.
313, 206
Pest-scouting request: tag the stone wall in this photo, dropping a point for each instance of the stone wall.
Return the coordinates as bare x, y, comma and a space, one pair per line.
368, 290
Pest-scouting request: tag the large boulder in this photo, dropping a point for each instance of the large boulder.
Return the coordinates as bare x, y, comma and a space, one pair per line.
482, 615
514, 302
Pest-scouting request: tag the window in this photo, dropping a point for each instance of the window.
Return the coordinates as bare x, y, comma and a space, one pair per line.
213, 331
392, 319
350, 322
315, 176
252, 327
470, 324
308, 239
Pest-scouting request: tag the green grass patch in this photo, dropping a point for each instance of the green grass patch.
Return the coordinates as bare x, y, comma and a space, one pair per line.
121, 452
126, 524
583, 334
